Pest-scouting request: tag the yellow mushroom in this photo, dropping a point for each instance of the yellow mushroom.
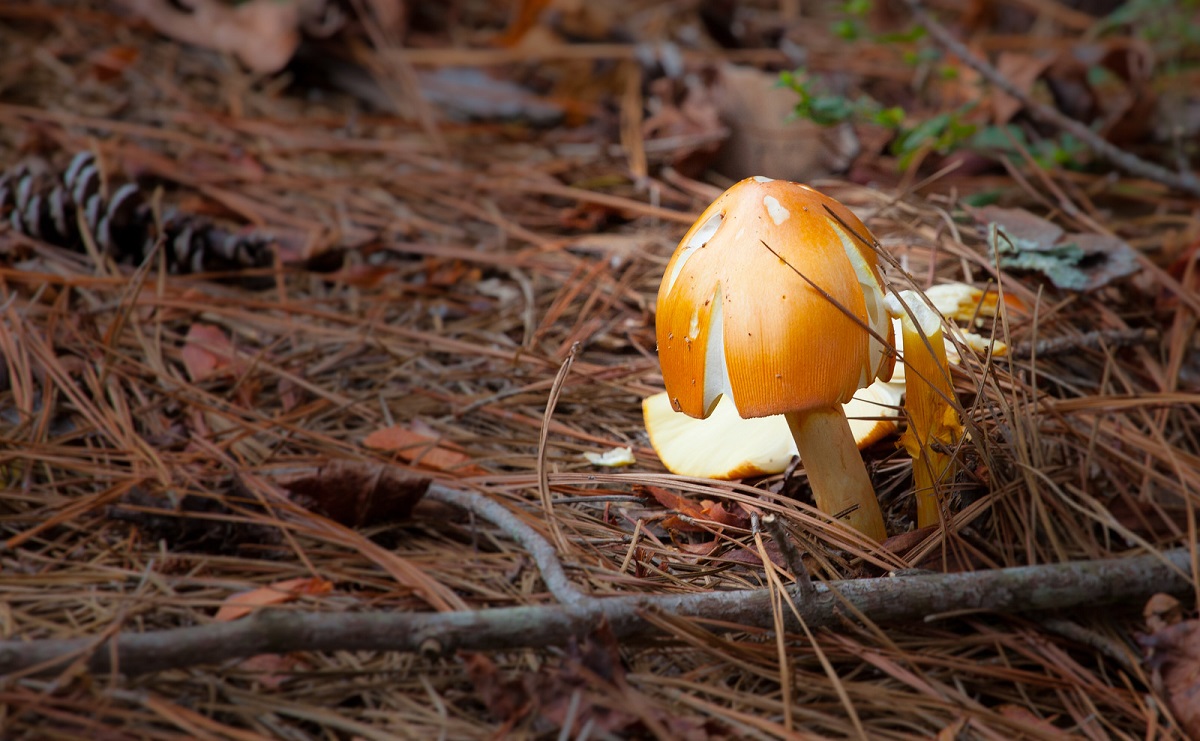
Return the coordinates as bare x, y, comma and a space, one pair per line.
934, 426
774, 299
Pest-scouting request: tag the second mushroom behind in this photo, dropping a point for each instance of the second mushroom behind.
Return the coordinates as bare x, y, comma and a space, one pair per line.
774, 298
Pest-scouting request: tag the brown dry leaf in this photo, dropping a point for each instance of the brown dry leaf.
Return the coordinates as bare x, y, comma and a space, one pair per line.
765, 138
237, 606
706, 511
750, 556
1162, 610
1174, 657
718, 513
1108, 84
272, 670
262, 34
504, 697
903, 542
1027, 718
207, 351
420, 449
676, 503
1022, 70
448, 273
356, 494
361, 276
588, 690
1079, 262
112, 61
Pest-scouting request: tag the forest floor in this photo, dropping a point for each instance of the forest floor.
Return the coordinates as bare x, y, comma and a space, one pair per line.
385, 300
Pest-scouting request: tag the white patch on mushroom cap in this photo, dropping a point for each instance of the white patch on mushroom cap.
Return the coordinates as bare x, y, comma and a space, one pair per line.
699, 238
877, 317
778, 213
923, 316
716, 372
763, 179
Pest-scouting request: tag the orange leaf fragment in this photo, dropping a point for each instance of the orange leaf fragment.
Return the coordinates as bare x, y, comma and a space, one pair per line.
272, 670
705, 511
1026, 718
237, 606
422, 450
112, 61
206, 351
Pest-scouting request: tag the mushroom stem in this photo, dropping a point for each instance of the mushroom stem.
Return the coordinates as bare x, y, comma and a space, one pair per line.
933, 423
836, 471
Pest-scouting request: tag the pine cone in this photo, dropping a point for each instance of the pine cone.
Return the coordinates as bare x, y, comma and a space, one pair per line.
121, 225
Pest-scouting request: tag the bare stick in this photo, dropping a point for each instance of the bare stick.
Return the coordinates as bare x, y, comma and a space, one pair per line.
1126, 581
791, 556
1184, 181
539, 548
1086, 341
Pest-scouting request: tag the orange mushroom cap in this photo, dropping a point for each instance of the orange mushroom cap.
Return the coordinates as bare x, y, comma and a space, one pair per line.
738, 312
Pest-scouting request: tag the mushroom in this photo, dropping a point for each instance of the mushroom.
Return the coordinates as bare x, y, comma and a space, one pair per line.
774, 298
933, 422
725, 446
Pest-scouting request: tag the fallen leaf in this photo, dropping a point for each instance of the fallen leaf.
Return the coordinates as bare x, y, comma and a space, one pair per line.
207, 351
903, 542
706, 511
262, 34
676, 503
361, 276
1174, 658
504, 697
272, 670
718, 513
1161, 611
237, 606
356, 494
423, 450
112, 61
749, 555
1018, 240
587, 689
1022, 71
765, 137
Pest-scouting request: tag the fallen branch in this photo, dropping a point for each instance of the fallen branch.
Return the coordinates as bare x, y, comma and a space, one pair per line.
884, 600
1094, 340
543, 553
1184, 181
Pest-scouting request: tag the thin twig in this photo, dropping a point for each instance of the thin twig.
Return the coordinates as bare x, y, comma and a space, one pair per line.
539, 548
1113, 649
791, 556
1086, 341
883, 600
1184, 181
